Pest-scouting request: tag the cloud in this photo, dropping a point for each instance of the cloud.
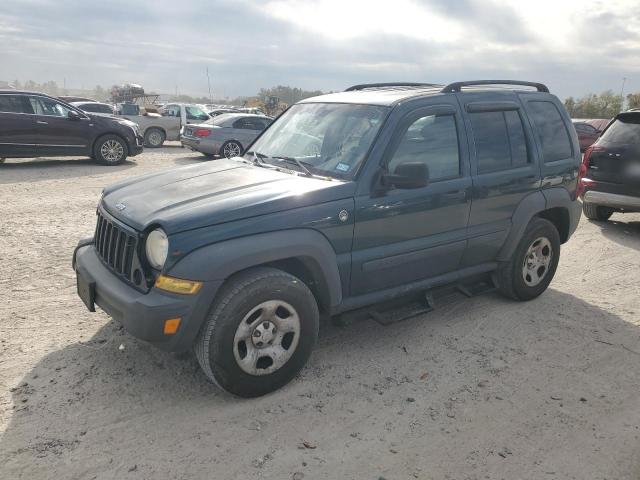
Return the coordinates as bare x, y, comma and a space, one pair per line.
575, 47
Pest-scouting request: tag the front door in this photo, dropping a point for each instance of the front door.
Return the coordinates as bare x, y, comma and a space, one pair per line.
17, 127
58, 134
400, 235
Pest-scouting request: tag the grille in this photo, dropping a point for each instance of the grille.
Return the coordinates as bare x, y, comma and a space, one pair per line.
117, 248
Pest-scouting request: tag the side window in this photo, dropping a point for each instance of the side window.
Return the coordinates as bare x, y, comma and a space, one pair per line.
550, 130
499, 139
12, 104
49, 108
432, 139
244, 123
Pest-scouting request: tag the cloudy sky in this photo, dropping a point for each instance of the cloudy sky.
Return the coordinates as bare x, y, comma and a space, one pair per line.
574, 46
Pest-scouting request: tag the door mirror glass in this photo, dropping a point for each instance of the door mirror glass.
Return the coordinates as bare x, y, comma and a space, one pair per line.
408, 175
73, 115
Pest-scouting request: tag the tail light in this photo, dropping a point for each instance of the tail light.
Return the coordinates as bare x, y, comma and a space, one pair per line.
584, 166
202, 132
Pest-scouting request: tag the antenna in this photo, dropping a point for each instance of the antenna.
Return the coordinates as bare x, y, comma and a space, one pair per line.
209, 84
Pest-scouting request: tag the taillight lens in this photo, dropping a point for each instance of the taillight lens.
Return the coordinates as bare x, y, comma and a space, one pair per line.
584, 166
202, 132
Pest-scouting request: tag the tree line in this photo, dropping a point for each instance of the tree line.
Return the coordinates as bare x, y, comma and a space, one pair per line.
603, 105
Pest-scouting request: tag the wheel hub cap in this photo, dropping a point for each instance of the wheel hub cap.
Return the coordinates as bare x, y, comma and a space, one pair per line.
536, 261
267, 337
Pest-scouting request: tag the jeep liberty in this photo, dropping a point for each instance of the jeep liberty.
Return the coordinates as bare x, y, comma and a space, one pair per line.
346, 200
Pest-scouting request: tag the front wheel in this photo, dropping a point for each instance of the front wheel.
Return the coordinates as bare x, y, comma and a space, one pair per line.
596, 212
110, 150
259, 333
534, 262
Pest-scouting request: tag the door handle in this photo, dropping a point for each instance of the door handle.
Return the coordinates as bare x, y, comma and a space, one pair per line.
40, 122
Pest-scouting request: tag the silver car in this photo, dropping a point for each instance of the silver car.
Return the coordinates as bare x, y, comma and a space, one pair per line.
226, 135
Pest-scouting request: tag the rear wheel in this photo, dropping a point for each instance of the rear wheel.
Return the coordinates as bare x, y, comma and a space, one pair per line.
231, 149
259, 333
533, 263
110, 150
596, 212
154, 138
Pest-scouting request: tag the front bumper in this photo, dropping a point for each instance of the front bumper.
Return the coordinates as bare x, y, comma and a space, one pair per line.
613, 200
136, 146
143, 314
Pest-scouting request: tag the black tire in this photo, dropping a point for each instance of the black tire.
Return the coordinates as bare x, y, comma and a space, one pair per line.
101, 150
154, 138
216, 347
596, 212
511, 278
228, 146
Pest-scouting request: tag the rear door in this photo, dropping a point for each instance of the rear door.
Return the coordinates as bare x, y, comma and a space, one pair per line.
504, 169
17, 126
57, 134
615, 158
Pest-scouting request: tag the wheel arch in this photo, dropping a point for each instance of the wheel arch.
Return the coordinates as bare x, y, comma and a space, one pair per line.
304, 253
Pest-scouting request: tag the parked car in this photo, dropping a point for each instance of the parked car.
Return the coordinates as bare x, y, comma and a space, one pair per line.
252, 110
95, 108
156, 128
346, 200
587, 134
37, 125
610, 171
226, 135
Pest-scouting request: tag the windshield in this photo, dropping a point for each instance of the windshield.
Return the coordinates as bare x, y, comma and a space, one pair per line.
329, 139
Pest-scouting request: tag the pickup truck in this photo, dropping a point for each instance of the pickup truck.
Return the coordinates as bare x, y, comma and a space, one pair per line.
165, 125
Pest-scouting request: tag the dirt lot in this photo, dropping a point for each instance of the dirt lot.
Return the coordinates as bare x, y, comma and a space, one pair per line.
482, 388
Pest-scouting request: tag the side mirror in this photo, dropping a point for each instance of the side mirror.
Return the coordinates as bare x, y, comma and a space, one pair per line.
407, 175
73, 115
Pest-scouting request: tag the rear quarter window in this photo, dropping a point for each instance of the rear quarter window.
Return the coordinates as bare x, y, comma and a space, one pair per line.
550, 130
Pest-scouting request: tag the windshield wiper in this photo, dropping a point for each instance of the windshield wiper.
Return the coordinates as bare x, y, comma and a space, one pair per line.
304, 169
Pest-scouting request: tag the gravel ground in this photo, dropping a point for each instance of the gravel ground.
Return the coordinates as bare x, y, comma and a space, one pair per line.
481, 388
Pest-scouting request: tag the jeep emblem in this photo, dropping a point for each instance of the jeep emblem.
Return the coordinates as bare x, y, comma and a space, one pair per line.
120, 206
343, 215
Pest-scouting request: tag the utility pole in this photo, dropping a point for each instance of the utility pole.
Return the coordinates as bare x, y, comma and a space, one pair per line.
624, 80
209, 84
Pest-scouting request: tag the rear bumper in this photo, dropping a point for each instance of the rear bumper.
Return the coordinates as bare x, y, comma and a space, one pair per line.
613, 200
204, 146
143, 314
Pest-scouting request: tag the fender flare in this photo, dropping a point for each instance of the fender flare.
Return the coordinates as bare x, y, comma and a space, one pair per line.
220, 260
524, 212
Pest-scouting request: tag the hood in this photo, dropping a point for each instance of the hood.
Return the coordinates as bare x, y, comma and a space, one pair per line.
214, 192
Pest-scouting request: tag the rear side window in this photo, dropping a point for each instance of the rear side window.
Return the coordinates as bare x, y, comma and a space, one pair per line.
625, 129
499, 139
11, 104
551, 131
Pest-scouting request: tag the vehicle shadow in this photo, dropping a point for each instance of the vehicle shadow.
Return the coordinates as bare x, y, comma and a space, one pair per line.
113, 404
621, 232
42, 169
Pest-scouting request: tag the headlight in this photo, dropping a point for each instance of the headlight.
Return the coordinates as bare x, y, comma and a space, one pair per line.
157, 247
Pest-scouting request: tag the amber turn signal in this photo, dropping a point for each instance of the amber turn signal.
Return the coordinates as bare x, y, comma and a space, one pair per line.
178, 285
171, 326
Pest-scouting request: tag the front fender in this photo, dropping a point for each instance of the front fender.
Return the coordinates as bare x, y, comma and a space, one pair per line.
221, 260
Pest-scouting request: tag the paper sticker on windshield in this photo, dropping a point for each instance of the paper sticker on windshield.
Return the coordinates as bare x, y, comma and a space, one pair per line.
343, 167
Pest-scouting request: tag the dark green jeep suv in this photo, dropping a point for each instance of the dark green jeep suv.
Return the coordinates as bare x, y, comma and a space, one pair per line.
346, 200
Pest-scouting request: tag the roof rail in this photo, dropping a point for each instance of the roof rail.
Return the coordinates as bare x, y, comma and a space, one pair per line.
391, 84
457, 86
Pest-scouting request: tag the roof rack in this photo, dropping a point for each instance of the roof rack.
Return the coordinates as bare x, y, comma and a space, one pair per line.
457, 86
390, 85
